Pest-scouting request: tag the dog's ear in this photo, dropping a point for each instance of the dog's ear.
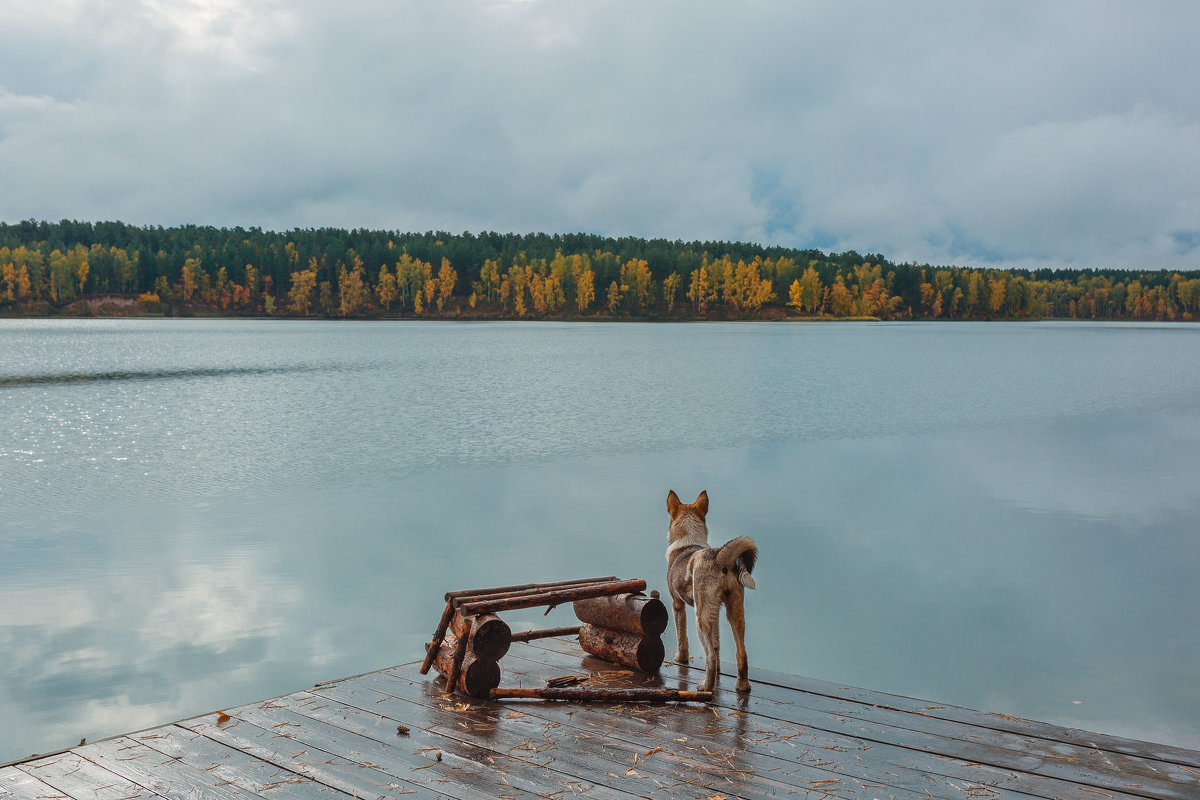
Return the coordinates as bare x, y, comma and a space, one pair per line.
672, 502
701, 504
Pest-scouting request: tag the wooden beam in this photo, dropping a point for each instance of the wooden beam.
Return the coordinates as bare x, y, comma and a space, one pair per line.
550, 597
546, 633
524, 587
585, 694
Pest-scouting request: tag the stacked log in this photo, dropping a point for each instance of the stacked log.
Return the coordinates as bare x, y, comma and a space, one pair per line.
469, 653
625, 629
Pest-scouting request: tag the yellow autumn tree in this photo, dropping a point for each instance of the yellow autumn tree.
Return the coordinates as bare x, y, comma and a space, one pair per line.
385, 288
613, 297
489, 277
187, 280
300, 294
841, 301
447, 278
585, 290
701, 291
637, 282
671, 290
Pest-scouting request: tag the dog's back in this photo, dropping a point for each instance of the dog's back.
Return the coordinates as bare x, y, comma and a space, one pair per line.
707, 578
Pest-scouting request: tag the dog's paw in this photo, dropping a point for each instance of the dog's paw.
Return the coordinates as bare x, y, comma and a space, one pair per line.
705, 686
743, 685
681, 657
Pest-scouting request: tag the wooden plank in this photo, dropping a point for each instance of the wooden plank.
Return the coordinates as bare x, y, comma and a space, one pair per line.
675, 731
347, 775
452, 777
790, 707
489, 754
233, 766
611, 760
1028, 772
77, 777
157, 772
18, 785
1000, 722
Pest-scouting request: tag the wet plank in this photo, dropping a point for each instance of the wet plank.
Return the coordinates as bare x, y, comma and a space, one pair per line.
157, 772
234, 767
354, 777
75, 776
603, 745
457, 727
1037, 758
18, 785
394, 733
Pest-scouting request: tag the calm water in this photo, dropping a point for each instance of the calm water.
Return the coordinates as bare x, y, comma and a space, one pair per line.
197, 514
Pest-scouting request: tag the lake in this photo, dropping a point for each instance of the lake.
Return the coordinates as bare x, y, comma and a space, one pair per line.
200, 513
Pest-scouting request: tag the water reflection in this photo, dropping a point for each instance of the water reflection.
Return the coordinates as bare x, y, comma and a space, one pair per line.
267, 531
7, 381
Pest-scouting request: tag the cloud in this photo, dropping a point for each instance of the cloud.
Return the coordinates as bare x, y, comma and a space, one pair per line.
1018, 134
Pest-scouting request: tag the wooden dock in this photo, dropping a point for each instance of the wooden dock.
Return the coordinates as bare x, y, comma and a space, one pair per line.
393, 733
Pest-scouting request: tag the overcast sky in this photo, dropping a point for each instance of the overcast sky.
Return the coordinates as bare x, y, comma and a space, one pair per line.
1009, 133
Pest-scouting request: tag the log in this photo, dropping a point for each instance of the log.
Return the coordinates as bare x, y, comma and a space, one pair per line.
489, 637
533, 588
440, 632
551, 597
524, 587
526, 636
476, 676
602, 695
629, 613
644, 653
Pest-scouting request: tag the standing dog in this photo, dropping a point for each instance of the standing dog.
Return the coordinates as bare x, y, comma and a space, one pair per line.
707, 578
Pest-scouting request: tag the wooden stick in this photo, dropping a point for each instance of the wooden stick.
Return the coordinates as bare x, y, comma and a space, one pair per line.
532, 589
551, 598
524, 587
525, 636
601, 695
438, 635
460, 652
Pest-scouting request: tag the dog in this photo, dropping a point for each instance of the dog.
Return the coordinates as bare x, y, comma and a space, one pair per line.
708, 578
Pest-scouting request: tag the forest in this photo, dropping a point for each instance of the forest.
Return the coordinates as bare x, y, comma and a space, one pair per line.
112, 268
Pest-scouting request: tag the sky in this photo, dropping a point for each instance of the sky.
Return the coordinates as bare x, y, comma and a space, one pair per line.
1010, 134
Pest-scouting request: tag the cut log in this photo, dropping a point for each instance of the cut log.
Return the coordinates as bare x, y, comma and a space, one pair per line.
551, 597
585, 694
629, 613
489, 638
476, 676
645, 653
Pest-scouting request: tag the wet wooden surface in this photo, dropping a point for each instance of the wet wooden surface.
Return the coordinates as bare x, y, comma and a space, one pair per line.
394, 733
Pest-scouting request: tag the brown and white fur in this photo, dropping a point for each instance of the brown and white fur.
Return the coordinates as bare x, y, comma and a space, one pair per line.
707, 578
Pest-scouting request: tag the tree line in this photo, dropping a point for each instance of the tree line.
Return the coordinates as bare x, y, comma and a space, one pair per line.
71, 267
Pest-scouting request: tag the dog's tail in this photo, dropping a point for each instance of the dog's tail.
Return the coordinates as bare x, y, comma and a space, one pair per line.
739, 554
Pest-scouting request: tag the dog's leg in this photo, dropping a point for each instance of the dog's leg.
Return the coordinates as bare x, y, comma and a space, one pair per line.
680, 609
736, 614
708, 620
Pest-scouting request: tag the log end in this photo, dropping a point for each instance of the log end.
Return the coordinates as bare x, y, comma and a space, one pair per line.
650, 654
654, 617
